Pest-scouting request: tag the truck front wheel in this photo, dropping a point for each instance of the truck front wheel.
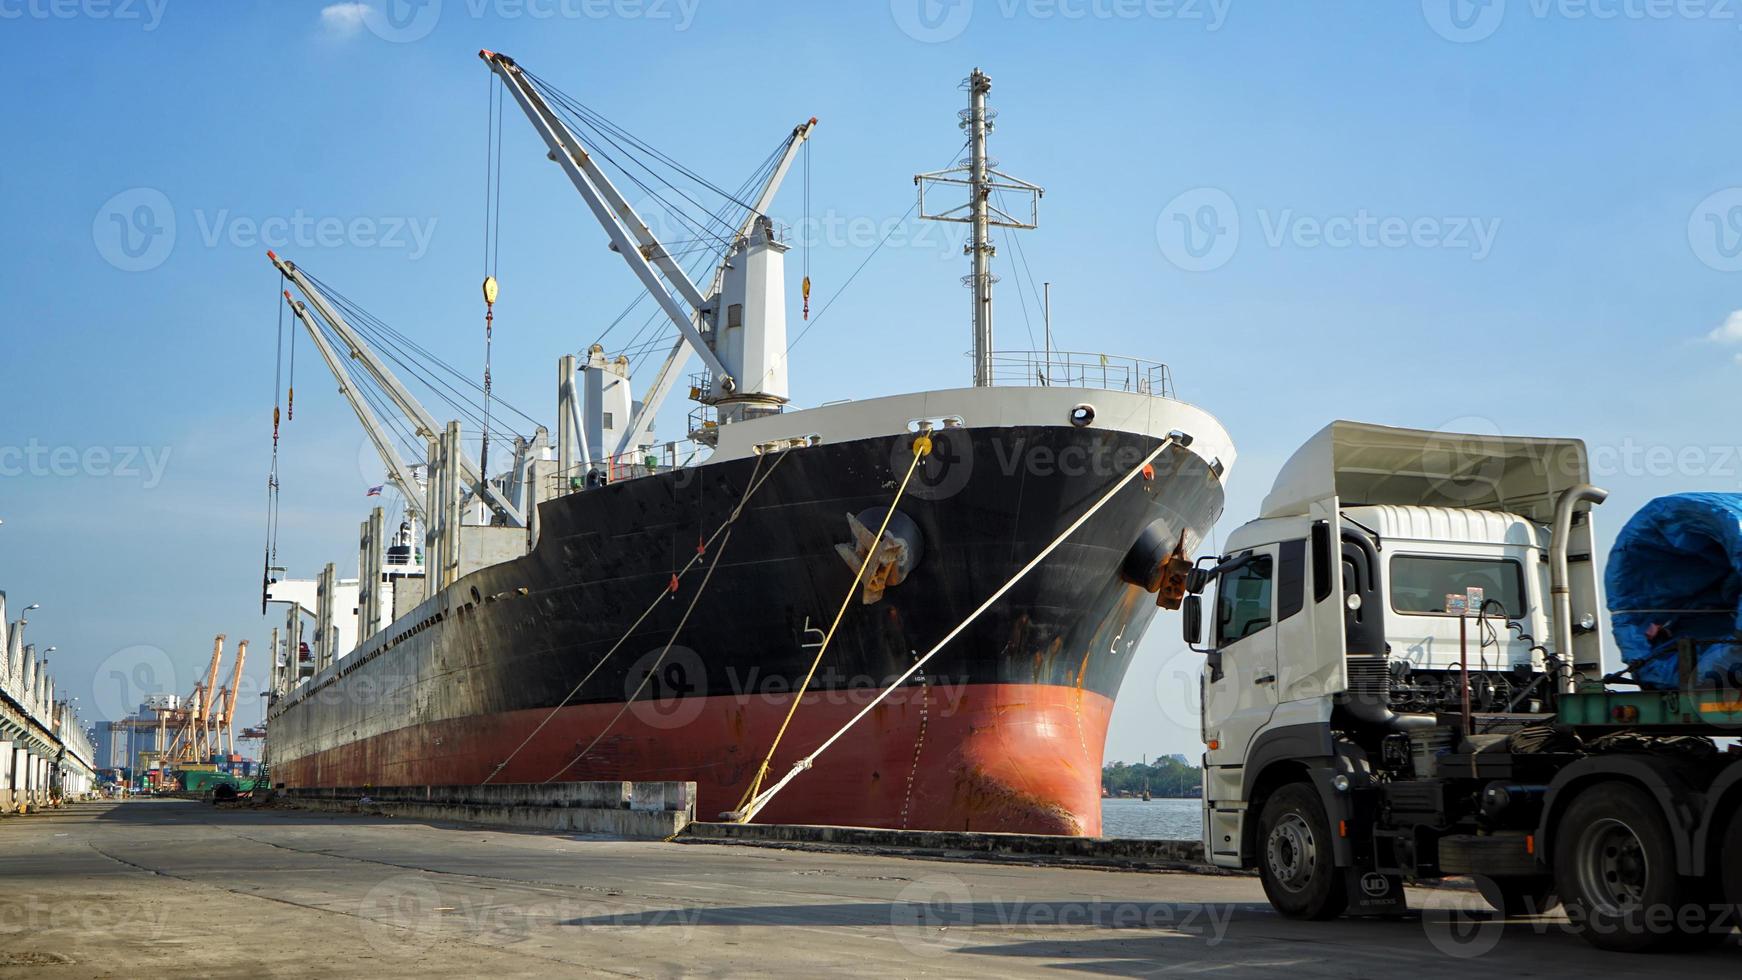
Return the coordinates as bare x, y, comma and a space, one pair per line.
1615, 866
1295, 860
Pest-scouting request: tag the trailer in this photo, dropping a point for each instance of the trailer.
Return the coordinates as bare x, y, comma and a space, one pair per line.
1404, 681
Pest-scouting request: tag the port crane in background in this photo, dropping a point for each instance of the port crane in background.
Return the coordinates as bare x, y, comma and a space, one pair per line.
225, 723
193, 729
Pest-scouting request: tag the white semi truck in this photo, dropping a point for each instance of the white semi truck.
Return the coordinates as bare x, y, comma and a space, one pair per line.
1404, 680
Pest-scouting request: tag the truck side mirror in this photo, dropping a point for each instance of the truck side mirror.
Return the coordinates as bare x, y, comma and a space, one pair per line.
1192, 610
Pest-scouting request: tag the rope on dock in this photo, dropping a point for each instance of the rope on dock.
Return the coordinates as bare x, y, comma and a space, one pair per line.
747, 813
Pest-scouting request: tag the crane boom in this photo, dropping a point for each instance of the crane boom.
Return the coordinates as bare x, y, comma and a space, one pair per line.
630, 236
668, 369
205, 708
397, 469
229, 719
402, 397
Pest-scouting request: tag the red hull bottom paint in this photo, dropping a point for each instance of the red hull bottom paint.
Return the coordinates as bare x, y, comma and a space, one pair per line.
1016, 758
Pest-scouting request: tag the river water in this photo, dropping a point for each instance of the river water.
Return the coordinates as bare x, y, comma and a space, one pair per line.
1158, 818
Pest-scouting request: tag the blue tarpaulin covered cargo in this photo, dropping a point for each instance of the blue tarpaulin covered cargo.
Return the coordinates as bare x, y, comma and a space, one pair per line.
1676, 573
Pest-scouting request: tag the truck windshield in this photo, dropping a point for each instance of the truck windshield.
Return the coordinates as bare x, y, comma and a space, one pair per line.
1420, 583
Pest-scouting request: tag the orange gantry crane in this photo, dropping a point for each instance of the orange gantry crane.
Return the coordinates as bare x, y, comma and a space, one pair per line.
194, 728
225, 722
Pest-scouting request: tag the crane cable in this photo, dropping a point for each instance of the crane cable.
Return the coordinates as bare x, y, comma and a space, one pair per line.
750, 489
653, 669
805, 242
271, 551
492, 244
921, 448
747, 813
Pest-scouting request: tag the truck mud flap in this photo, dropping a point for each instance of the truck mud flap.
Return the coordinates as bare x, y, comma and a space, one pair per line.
1372, 893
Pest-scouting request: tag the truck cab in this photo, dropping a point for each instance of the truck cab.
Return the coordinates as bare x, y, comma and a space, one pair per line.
1337, 679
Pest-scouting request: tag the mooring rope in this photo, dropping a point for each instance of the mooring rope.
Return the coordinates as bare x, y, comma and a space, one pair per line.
746, 814
921, 449
750, 489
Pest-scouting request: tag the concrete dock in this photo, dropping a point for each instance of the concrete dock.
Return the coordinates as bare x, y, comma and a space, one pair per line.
155, 887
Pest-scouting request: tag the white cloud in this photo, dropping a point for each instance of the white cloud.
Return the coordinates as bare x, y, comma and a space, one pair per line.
343, 19
1729, 332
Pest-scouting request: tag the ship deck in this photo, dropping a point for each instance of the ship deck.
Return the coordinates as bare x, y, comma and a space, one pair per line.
151, 887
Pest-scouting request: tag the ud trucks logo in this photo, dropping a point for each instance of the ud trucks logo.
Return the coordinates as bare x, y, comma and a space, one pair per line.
1375, 885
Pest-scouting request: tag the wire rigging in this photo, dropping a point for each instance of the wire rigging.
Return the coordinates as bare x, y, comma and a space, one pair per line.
492, 245
271, 550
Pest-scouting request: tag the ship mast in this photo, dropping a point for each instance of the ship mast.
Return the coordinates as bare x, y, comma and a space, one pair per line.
980, 247
982, 179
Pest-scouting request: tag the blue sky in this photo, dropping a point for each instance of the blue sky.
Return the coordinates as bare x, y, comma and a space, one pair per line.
1515, 216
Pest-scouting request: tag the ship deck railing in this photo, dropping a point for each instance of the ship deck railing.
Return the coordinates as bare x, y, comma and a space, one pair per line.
662, 458
1081, 369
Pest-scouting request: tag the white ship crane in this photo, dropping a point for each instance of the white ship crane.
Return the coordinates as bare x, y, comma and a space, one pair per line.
397, 469
738, 327
424, 423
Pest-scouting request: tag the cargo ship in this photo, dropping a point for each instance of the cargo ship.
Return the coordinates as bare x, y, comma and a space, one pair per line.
609, 607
